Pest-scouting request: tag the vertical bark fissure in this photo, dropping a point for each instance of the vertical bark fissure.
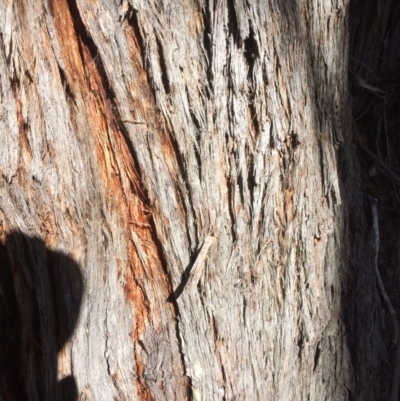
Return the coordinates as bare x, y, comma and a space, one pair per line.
137, 32
207, 47
84, 36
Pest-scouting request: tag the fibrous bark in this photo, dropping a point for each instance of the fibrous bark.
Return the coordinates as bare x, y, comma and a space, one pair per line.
132, 132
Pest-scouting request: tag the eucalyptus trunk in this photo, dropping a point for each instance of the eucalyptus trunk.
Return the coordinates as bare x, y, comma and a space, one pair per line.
173, 217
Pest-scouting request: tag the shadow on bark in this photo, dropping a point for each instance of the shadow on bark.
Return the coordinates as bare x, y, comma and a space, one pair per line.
40, 296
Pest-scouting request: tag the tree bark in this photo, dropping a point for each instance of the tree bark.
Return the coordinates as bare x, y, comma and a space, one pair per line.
143, 140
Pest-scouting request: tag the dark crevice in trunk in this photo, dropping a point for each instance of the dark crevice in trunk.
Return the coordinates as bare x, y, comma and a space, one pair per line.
134, 23
163, 67
231, 202
253, 116
65, 84
197, 155
207, 44
251, 180
224, 380
300, 341
197, 145
233, 23
187, 211
230, 190
251, 54
241, 184
316, 356
185, 178
322, 164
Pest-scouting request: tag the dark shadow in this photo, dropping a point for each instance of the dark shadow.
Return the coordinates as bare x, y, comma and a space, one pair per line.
40, 296
184, 279
374, 78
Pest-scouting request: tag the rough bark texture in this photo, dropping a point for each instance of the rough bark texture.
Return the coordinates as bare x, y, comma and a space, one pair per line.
134, 131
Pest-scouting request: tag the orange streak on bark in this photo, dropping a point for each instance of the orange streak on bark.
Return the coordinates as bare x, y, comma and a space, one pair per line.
117, 173
67, 40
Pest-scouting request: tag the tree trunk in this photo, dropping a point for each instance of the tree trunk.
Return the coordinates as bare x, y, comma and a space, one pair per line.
173, 218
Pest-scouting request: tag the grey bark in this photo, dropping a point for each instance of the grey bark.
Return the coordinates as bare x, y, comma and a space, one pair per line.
133, 131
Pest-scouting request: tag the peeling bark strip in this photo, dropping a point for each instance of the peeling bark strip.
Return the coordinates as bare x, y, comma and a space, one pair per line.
131, 130
199, 263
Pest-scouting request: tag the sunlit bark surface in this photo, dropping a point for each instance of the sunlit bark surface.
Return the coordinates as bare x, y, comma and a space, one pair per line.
130, 134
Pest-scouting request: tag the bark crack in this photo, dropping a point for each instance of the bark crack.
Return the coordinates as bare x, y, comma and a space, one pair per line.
207, 44
233, 23
163, 67
85, 38
133, 22
251, 53
64, 81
